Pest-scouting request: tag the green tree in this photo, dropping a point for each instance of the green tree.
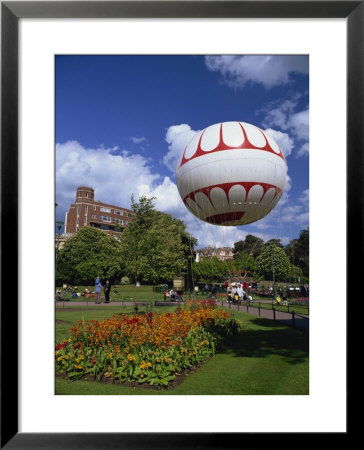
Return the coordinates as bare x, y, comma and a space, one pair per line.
280, 261
298, 251
276, 242
252, 245
243, 262
294, 273
212, 269
154, 245
88, 254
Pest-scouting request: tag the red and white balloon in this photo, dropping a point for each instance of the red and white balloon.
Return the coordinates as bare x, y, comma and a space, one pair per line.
231, 173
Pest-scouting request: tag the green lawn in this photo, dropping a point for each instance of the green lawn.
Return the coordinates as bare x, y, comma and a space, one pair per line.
126, 293
266, 358
298, 309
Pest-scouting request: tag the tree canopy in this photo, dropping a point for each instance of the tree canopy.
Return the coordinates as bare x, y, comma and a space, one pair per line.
252, 245
88, 254
273, 255
155, 245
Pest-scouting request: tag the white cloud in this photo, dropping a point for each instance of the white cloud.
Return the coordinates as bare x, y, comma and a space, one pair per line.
299, 123
115, 177
294, 124
304, 198
283, 140
277, 115
138, 140
177, 137
270, 70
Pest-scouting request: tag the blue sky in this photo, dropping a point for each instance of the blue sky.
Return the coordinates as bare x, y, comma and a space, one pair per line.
122, 122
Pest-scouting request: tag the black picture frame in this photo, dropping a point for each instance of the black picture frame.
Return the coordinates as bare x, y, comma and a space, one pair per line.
11, 12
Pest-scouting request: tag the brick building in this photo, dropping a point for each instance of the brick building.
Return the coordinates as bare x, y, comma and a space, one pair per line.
88, 212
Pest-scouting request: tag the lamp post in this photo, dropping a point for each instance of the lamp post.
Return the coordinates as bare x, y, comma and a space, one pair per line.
273, 272
59, 224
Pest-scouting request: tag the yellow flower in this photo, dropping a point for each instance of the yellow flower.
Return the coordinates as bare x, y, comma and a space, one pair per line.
110, 355
130, 357
89, 352
149, 364
77, 360
57, 352
143, 365
59, 359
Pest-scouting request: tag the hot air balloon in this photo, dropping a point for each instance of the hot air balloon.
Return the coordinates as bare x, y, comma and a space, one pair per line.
231, 173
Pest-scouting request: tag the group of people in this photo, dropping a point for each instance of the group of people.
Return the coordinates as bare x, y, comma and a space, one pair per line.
107, 289
173, 295
236, 292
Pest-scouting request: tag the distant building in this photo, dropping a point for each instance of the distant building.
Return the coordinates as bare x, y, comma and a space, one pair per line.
59, 242
88, 212
222, 253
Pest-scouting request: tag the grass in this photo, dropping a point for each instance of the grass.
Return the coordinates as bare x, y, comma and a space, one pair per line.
266, 358
126, 293
298, 309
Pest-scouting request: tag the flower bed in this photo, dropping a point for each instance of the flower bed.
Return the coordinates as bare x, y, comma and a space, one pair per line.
151, 348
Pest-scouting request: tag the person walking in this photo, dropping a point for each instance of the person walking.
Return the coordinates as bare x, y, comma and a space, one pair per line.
213, 291
98, 287
107, 289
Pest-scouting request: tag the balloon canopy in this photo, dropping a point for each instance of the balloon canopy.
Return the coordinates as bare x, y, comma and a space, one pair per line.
231, 173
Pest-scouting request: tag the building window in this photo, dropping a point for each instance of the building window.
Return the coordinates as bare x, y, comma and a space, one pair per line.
129, 215
94, 225
118, 221
104, 227
93, 216
105, 218
87, 194
103, 209
78, 209
117, 212
86, 209
85, 220
94, 207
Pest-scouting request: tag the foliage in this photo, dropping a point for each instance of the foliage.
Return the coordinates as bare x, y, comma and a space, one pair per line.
150, 348
278, 257
88, 254
244, 262
154, 245
252, 245
124, 280
294, 273
298, 251
275, 242
212, 269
